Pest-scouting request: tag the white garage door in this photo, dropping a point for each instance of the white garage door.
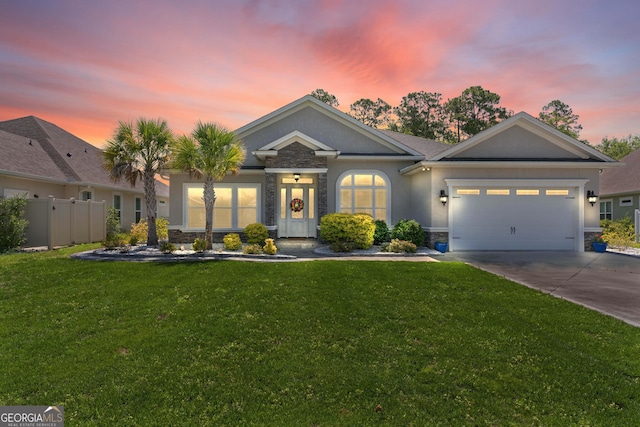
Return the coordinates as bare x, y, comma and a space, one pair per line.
513, 218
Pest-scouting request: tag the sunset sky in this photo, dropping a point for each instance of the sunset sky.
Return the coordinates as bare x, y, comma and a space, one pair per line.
85, 65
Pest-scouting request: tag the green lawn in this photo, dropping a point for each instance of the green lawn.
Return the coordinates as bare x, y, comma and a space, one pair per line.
320, 343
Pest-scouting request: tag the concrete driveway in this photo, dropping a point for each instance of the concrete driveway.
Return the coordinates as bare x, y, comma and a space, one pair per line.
606, 282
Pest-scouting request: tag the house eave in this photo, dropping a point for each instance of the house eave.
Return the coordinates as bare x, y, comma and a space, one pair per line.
509, 164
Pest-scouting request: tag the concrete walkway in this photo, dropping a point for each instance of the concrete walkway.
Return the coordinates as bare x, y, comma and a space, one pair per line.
606, 282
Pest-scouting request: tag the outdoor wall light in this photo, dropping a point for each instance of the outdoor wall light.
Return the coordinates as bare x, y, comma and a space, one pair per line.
443, 197
296, 176
592, 197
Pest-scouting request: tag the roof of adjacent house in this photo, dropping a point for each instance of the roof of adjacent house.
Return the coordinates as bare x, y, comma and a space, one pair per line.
624, 179
35, 148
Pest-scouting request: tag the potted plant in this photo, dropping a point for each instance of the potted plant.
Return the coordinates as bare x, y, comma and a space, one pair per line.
598, 244
442, 246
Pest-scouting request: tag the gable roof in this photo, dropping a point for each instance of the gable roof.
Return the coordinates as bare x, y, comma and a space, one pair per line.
521, 141
39, 149
625, 179
309, 101
571, 148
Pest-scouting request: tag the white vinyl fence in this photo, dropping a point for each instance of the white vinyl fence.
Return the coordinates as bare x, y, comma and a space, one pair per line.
637, 225
59, 222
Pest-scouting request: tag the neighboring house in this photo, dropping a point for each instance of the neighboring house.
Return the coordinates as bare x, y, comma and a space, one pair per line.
520, 185
620, 189
40, 159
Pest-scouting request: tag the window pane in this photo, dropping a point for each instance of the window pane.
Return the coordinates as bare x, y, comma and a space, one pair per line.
312, 208
381, 198
346, 181
223, 197
363, 180
138, 203
194, 197
557, 192
498, 192
283, 203
364, 199
247, 216
380, 214
468, 191
345, 200
221, 217
527, 192
379, 181
196, 217
247, 197
116, 202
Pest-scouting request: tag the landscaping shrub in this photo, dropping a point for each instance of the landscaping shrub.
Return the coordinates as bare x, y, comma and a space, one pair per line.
167, 247
409, 230
133, 240
270, 247
113, 222
381, 233
256, 233
252, 249
401, 246
141, 229
115, 240
199, 245
342, 246
12, 223
619, 233
232, 241
357, 229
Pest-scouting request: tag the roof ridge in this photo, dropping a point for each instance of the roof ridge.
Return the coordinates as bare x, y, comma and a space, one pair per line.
51, 151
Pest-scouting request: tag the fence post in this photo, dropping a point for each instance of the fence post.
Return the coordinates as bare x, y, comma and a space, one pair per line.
72, 221
51, 208
637, 225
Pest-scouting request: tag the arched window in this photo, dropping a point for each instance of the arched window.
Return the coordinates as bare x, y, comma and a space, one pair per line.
364, 192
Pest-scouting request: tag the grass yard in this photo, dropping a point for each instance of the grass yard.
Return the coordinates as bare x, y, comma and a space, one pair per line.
320, 343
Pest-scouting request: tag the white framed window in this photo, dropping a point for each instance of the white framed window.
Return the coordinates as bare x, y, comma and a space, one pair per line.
626, 201
117, 205
606, 209
12, 192
86, 195
236, 206
138, 209
364, 192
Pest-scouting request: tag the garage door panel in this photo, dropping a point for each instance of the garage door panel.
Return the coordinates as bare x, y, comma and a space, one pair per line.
513, 222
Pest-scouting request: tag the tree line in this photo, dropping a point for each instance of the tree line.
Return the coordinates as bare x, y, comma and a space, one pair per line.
427, 115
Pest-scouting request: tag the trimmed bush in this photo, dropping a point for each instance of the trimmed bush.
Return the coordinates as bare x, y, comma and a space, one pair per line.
199, 245
269, 247
115, 240
232, 241
13, 226
252, 249
401, 246
141, 229
619, 233
409, 230
381, 234
357, 229
167, 248
256, 233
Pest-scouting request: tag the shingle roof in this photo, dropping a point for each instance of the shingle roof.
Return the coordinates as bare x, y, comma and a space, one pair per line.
625, 179
55, 154
428, 147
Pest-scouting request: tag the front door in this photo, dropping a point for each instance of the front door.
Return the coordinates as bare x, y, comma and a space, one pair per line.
297, 216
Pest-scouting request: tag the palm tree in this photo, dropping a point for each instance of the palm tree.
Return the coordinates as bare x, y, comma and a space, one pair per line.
210, 152
140, 152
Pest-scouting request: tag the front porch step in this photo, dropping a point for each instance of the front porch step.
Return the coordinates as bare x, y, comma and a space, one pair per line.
297, 243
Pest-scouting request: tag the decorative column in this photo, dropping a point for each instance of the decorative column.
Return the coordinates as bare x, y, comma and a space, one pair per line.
322, 195
271, 200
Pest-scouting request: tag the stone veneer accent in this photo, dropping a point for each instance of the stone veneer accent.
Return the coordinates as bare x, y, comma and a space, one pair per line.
588, 240
431, 237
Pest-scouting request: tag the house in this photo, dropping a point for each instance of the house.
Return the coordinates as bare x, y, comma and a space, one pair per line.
520, 185
620, 189
39, 159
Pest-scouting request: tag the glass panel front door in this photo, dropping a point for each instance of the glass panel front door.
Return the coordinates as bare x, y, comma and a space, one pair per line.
297, 216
